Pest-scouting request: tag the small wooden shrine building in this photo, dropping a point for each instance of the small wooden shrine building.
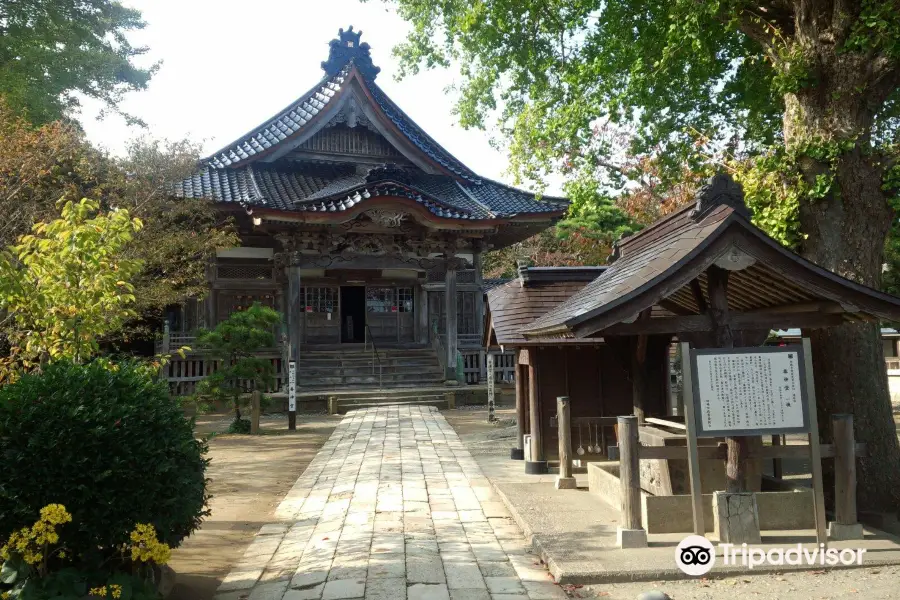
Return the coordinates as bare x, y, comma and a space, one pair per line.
354, 222
704, 274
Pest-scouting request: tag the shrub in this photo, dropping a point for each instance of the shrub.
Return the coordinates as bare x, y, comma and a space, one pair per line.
110, 444
234, 343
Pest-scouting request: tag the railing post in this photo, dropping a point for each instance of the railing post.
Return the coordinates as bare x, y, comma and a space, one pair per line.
845, 525
564, 481
630, 534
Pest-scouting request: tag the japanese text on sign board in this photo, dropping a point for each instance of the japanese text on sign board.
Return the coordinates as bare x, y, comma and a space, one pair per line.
749, 391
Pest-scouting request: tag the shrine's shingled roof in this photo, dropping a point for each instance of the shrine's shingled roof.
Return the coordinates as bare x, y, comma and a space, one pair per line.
658, 264
237, 174
537, 290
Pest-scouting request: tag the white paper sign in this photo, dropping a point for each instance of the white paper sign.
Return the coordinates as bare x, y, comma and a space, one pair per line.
292, 386
749, 391
490, 377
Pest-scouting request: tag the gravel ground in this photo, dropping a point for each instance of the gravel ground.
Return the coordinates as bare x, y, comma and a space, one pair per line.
810, 585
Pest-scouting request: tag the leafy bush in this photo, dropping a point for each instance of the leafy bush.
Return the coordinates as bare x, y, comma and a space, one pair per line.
35, 563
110, 444
234, 343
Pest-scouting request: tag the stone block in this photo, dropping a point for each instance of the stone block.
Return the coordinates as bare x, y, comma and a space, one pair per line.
631, 538
736, 518
838, 532
566, 483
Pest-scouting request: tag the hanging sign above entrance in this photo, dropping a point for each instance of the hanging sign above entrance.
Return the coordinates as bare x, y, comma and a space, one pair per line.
749, 391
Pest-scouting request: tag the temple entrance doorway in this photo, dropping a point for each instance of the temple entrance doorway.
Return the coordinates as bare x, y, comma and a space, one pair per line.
353, 314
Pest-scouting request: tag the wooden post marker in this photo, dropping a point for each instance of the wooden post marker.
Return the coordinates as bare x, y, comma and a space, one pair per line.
564, 481
844, 526
630, 534
691, 430
292, 395
518, 453
255, 400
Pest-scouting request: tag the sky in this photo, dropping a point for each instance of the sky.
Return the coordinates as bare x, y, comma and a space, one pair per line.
229, 65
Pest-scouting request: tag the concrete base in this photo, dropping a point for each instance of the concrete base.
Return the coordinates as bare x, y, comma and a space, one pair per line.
736, 518
517, 453
566, 483
839, 532
536, 467
631, 538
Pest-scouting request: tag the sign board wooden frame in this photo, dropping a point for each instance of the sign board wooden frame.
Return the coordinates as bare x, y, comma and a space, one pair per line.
800, 366
292, 395
688, 365
489, 359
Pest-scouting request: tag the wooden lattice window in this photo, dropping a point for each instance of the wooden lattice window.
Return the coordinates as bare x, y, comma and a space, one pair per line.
381, 300
465, 312
319, 299
405, 300
244, 272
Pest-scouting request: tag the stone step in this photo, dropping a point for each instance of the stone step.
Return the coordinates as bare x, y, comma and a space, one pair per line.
342, 405
385, 360
371, 385
326, 370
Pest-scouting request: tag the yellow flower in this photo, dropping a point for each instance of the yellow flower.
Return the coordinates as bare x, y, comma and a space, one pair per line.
115, 590
146, 548
55, 514
98, 591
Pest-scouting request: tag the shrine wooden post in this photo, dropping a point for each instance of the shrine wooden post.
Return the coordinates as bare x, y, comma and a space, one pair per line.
845, 525
564, 481
518, 453
630, 534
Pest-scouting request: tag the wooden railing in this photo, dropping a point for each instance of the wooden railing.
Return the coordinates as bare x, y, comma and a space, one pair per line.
475, 366
183, 374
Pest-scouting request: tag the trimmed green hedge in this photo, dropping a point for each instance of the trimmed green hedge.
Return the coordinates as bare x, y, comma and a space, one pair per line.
108, 443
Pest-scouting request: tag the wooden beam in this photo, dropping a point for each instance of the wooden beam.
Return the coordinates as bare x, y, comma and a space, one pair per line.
817, 306
738, 446
524, 357
698, 295
720, 451
736, 321
675, 308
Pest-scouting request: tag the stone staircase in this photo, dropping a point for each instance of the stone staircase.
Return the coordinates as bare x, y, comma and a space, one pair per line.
346, 375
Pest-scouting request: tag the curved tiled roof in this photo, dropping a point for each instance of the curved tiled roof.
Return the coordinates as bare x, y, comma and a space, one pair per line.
235, 173
333, 188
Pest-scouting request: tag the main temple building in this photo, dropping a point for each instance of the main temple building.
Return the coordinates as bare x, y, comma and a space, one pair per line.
355, 224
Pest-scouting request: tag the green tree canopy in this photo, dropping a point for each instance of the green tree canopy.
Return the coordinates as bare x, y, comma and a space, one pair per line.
67, 284
800, 98
53, 50
39, 166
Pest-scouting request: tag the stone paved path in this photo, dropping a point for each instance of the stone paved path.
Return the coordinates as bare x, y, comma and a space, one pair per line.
393, 507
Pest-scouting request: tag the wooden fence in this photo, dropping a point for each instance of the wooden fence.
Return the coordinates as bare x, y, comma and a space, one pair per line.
475, 366
183, 374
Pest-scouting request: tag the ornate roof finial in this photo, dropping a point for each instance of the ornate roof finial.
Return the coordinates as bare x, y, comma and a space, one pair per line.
720, 189
348, 48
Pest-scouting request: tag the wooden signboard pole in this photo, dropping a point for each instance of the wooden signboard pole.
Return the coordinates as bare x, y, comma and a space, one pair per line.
691, 426
815, 452
490, 385
292, 395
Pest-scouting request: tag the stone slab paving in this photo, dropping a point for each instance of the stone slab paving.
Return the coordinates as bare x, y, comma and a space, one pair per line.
393, 507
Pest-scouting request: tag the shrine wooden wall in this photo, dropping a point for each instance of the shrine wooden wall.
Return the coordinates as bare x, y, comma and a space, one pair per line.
593, 377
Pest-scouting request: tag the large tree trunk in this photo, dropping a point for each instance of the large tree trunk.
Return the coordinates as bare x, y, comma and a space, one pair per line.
845, 233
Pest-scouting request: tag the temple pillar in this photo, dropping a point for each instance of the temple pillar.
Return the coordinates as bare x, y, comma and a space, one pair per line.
479, 296
422, 334
450, 310
293, 311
